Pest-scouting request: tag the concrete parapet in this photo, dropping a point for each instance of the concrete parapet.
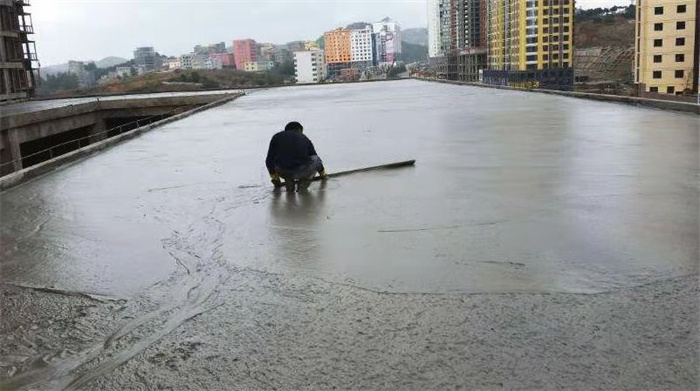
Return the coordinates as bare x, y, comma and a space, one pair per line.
646, 102
24, 175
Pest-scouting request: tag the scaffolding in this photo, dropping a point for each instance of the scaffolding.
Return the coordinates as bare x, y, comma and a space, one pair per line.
17, 51
604, 64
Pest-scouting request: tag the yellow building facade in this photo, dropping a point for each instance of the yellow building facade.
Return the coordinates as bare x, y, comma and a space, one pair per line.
337, 46
665, 46
529, 34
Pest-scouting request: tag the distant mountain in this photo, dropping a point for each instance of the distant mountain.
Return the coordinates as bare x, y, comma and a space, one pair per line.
416, 36
110, 62
103, 63
413, 53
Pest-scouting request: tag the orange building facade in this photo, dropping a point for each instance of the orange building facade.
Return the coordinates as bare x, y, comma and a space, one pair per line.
337, 46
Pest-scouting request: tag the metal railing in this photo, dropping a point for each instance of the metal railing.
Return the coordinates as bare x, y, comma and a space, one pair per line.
85, 141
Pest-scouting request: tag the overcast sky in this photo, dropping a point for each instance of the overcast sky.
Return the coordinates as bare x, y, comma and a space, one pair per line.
94, 29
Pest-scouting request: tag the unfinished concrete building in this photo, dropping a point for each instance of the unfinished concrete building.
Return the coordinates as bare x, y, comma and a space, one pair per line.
17, 51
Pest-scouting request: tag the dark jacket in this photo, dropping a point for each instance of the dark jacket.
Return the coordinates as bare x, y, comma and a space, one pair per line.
289, 150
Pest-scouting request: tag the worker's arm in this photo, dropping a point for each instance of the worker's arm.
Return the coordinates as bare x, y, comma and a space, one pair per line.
270, 161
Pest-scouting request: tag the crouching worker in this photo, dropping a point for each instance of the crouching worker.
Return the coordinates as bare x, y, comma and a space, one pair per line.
292, 157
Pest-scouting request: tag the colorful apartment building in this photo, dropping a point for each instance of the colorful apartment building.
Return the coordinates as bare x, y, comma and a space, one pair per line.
530, 35
337, 46
530, 43
666, 46
244, 50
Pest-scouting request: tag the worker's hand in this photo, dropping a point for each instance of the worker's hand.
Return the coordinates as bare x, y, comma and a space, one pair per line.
323, 175
275, 179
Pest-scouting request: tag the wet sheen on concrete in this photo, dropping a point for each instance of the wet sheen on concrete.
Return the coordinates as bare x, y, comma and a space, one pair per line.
169, 262
512, 192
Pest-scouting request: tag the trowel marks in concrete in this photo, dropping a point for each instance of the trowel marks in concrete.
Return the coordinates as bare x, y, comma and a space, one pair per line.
513, 192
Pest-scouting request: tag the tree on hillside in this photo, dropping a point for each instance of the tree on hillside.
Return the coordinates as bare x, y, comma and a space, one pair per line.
51, 84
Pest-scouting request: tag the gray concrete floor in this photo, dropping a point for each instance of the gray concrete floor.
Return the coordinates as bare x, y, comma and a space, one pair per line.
540, 242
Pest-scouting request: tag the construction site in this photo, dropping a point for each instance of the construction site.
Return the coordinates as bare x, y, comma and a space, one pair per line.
443, 233
604, 70
18, 58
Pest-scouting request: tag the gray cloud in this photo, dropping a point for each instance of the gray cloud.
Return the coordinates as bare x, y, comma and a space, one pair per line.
81, 29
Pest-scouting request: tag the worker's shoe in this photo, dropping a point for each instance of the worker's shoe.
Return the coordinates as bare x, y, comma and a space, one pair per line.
289, 185
303, 185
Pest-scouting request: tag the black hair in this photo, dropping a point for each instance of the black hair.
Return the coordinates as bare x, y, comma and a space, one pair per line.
294, 125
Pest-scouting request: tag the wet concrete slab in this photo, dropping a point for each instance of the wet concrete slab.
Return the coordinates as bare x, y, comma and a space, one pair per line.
168, 261
512, 192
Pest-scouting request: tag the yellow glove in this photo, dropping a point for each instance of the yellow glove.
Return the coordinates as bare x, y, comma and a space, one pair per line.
275, 179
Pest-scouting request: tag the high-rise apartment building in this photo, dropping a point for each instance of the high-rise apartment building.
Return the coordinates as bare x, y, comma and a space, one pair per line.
244, 50
309, 66
666, 46
530, 41
337, 46
457, 38
387, 40
17, 51
434, 37
362, 47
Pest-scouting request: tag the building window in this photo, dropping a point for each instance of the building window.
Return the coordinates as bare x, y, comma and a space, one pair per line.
678, 74
545, 39
670, 89
680, 25
566, 38
680, 57
657, 58
546, 30
653, 89
566, 19
658, 27
555, 56
658, 43
681, 9
565, 56
658, 10
545, 57
680, 41
565, 64
656, 74
566, 29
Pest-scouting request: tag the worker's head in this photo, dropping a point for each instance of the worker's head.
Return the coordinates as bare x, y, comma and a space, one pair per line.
295, 126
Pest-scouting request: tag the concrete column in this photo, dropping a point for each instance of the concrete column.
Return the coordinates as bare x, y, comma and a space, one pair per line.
12, 142
97, 131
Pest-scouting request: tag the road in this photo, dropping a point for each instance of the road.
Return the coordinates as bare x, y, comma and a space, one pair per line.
539, 242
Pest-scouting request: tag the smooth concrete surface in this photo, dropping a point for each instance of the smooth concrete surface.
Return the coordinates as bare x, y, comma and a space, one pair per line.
540, 242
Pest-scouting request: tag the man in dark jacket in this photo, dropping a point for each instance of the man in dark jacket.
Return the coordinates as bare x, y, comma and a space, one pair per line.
292, 157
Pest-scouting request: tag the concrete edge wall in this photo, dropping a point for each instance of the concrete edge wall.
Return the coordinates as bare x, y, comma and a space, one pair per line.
630, 100
24, 175
8, 121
